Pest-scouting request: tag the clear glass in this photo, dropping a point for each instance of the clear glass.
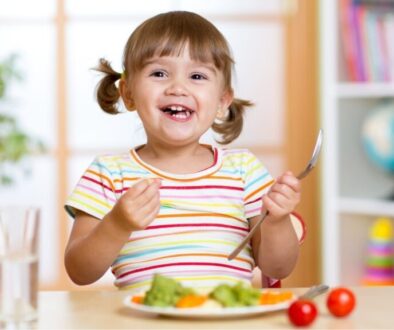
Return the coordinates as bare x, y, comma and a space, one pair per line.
19, 237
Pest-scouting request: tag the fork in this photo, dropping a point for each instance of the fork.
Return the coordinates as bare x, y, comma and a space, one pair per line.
314, 291
311, 164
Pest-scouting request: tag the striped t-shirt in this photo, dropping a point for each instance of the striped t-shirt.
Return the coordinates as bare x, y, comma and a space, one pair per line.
202, 218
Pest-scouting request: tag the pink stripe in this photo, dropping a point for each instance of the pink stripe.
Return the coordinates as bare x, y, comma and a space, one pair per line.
183, 188
201, 196
97, 182
183, 264
142, 278
197, 225
181, 232
201, 187
253, 210
96, 192
254, 201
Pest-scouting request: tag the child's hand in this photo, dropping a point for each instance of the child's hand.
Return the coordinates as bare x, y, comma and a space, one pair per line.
283, 196
138, 207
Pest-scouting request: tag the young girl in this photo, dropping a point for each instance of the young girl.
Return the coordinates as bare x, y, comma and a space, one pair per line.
174, 206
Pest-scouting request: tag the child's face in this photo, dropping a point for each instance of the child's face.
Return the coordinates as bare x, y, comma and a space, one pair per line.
177, 98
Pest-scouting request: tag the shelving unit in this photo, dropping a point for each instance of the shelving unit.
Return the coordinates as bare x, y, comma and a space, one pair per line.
354, 191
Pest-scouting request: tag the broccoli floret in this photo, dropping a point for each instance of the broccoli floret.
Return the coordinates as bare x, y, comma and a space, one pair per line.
235, 296
165, 292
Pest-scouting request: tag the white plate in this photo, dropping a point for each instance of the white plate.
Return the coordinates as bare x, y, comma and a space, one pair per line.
229, 312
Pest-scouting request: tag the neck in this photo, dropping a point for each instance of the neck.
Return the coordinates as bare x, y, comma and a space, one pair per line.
160, 151
185, 159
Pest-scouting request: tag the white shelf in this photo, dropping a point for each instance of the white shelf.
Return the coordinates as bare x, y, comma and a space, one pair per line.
365, 90
353, 188
364, 206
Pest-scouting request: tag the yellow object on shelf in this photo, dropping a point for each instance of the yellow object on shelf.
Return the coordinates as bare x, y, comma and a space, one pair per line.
382, 229
379, 266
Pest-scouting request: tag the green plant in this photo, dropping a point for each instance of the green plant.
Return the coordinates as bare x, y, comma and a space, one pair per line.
15, 144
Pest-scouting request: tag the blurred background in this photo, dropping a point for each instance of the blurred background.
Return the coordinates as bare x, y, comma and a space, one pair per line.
289, 62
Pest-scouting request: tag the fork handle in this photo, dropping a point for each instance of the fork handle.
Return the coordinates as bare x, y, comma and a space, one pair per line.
247, 237
239, 248
314, 291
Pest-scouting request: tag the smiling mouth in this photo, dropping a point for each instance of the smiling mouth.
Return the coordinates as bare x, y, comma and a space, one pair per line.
177, 111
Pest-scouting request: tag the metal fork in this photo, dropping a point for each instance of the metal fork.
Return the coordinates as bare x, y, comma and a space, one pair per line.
314, 291
311, 164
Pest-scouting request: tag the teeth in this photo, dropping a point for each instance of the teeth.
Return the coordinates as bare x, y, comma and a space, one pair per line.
177, 111
182, 115
176, 108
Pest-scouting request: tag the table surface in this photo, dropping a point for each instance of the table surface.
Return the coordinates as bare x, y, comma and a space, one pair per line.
105, 310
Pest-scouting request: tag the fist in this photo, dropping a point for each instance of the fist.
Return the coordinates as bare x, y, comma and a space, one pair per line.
139, 206
284, 196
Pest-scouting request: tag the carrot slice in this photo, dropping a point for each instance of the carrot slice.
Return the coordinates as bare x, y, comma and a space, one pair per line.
269, 298
286, 295
190, 301
137, 299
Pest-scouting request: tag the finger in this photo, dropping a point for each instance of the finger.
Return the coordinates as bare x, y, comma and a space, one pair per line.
280, 199
139, 187
150, 192
150, 216
291, 181
287, 203
274, 209
148, 211
283, 189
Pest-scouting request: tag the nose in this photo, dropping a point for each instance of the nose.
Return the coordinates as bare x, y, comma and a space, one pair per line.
176, 87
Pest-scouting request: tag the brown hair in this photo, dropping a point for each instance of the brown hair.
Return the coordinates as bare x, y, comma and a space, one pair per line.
167, 34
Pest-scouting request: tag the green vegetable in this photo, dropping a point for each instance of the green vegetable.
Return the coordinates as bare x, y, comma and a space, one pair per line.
235, 296
165, 292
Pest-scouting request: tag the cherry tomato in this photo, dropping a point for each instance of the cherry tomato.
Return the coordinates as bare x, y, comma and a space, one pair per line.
302, 312
340, 301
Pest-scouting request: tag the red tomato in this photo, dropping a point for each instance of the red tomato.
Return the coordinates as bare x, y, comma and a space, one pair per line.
341, 301
302, 312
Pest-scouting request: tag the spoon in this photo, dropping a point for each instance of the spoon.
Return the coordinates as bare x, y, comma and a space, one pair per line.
314, 291
311, 164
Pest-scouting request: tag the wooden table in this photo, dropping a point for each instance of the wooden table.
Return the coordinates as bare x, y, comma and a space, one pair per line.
105, 310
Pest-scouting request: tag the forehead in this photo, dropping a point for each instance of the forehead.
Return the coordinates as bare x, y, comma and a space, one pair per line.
185, 50
182, 56
203, 50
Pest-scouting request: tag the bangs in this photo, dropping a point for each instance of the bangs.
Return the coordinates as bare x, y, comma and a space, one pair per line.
168, 34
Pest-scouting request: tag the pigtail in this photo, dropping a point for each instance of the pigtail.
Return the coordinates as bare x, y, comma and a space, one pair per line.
230, 127
107, 92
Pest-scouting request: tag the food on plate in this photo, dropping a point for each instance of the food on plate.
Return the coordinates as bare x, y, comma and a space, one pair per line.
167, 292
235, 296
275, 297
340, 301
191, 300
302, 312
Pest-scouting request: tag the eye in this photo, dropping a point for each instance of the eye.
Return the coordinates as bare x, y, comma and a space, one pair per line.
158, 74
199, 76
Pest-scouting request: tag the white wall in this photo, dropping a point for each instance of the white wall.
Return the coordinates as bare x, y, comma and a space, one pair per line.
100, 29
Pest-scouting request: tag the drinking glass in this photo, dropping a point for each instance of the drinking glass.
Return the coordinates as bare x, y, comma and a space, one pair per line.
19, 236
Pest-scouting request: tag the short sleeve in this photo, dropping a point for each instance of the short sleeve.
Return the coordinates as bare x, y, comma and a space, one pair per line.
94, 193
257, 182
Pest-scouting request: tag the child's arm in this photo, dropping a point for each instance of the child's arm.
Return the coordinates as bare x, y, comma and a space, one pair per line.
93, 244
275, 244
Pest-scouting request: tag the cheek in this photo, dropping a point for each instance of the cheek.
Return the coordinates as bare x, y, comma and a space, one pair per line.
211, 99
143, 98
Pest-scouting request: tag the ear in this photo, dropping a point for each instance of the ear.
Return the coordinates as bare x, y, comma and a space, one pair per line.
226, 99
126, 95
